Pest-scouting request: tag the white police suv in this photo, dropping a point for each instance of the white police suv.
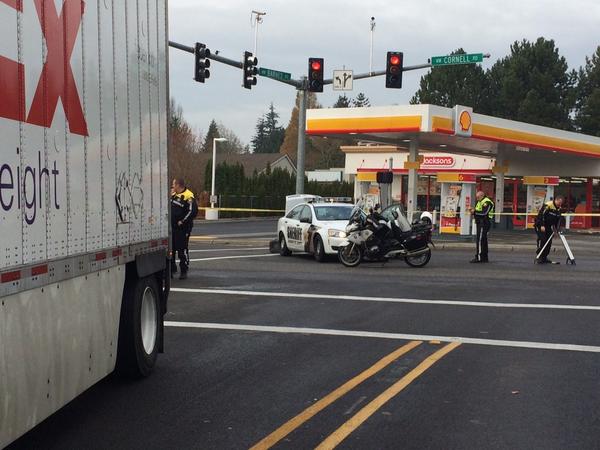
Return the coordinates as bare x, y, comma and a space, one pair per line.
316, 228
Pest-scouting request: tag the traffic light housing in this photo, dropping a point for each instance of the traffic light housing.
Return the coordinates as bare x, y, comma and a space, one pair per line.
202, 63
393, 73
385, 177
249, 70
315, 74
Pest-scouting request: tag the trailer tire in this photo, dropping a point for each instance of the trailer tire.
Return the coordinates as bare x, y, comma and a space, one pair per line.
139, 328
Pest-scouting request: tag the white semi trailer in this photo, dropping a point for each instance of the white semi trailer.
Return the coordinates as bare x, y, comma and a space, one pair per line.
84, 198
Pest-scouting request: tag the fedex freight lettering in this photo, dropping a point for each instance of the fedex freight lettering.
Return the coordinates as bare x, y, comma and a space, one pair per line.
31, 184
56, 80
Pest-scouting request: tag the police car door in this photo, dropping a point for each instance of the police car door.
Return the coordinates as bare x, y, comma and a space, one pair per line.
306, 220
292, 230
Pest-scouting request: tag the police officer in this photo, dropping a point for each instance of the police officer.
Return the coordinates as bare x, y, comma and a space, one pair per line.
183, 210
484, 213
546, 224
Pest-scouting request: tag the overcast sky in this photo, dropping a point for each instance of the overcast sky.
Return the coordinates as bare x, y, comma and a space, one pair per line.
338, 31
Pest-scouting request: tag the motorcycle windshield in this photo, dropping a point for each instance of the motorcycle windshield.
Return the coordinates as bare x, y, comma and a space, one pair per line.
403, 223
357, 214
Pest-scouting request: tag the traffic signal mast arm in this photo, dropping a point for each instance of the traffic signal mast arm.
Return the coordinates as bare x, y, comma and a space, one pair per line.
298, 84
379, 73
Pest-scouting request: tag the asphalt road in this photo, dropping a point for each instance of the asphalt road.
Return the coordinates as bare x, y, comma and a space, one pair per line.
284, 351
236, 228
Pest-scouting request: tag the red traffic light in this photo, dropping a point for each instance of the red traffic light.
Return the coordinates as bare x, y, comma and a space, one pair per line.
395, 60
315, 65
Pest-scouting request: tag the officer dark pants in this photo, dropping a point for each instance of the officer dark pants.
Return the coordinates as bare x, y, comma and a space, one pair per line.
483, 227
543, 237
181, 240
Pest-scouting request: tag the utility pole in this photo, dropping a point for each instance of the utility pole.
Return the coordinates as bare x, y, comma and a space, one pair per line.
302, 101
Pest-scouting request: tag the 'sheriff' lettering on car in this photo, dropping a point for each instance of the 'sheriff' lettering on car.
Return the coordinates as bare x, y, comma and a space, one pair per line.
294, 234
309, 243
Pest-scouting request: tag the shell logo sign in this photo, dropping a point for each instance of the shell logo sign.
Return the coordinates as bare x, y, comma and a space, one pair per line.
463, 121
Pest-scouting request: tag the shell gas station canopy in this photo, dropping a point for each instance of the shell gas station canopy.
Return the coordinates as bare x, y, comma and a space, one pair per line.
473, 133
512, 149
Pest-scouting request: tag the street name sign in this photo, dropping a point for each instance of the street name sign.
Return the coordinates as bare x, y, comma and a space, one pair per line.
451, 60
275, 74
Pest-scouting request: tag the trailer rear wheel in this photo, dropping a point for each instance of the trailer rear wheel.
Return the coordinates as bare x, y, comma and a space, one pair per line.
139, 328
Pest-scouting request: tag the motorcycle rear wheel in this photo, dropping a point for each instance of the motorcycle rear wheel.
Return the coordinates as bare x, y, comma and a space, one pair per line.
419, 260
350, 255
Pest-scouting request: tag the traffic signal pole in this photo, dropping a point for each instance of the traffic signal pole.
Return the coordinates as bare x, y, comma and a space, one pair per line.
302, 102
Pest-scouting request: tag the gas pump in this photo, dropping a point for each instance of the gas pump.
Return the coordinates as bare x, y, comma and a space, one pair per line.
457, 196
539, 191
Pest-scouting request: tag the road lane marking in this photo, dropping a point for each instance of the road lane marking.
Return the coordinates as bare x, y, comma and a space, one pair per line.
385, 299
241, 249
216, 258
397, 336
360, 417
309, 412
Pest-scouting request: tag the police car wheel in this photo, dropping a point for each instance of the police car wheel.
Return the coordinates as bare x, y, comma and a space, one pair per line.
283, 248
319, 249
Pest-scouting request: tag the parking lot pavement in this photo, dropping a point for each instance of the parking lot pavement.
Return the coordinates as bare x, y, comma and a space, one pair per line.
264, 350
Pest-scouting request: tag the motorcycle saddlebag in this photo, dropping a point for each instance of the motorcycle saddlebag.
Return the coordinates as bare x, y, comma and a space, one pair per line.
415, 241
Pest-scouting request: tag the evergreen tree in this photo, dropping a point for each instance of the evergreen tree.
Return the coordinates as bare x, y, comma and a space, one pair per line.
342, 102
361, 101
587, 116
269, 135
533, 85
464, 84
258, 141
213, 132
275, 133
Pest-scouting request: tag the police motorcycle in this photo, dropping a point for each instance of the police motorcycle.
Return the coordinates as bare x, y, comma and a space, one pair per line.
382, 236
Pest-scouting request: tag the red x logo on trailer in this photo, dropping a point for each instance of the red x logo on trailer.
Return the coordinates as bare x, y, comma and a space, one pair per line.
56, 80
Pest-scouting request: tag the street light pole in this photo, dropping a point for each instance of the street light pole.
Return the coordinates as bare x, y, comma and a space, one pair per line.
371, 46
257, 19
214, 214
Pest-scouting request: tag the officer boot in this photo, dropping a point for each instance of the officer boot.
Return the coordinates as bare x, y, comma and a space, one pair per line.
183, 274
183, 268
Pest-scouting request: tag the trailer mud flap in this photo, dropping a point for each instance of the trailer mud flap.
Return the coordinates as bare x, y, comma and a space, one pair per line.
150, 263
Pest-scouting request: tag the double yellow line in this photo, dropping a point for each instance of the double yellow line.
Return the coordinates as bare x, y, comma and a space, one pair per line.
361, 416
